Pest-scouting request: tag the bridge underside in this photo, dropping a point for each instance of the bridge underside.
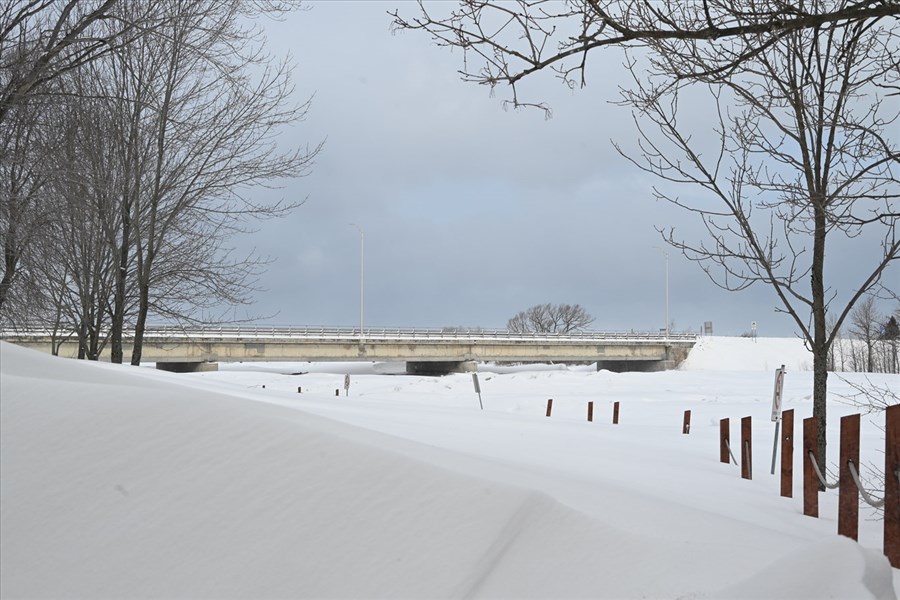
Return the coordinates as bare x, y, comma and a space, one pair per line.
440, 367
641, 366
187, 366
443, 367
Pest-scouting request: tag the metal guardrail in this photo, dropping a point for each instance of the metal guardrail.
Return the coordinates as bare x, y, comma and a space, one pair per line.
167, 332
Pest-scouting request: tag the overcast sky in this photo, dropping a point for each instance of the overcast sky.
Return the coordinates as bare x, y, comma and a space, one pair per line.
472, 213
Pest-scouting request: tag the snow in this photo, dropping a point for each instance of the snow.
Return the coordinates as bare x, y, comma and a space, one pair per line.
134, 483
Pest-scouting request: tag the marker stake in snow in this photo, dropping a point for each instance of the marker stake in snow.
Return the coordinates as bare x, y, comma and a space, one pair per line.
776, 410
477, 389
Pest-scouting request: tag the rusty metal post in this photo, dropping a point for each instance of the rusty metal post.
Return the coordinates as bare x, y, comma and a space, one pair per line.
746, 449
299, 390
337, 392
892, 485
810, 481
787, 453
590, 411
549, 406
686, 426
724, 440
615, 413
848, 498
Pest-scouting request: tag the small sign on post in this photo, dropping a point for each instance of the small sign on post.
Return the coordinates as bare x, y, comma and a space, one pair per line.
776, 410
347, 384
477, 389
776, 396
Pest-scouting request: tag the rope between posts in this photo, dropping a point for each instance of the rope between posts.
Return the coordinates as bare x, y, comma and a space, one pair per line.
830, 486
730, 453
869, 500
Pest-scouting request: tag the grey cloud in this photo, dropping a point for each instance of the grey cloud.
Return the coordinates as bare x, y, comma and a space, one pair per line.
471, 213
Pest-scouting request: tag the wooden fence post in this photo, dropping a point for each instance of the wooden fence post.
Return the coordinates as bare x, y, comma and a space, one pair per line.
848, 498
724, 440
615, 413
787, 453
892, 485
810, 481
686, 426
590, 411
549, 406
746, 449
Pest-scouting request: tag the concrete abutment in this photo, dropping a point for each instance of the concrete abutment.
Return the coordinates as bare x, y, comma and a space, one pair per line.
440, 367
188, 367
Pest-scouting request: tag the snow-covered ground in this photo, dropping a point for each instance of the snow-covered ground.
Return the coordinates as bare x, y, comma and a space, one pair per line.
121, 482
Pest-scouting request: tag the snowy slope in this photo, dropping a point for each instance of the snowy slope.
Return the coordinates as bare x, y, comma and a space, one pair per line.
124, 482
748, 354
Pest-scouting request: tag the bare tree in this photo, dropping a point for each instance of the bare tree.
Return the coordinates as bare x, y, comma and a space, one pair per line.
889, 337
504, 42
24, 138
802, 114
41, 43
80, 263
550, 318
221, 104
164, 136
865, 324
804, 156
41, 40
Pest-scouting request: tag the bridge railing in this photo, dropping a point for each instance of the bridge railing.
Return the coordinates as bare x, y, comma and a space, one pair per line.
162, 332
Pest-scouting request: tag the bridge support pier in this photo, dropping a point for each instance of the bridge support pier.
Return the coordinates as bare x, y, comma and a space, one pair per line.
440, 367
187, 367
640, 366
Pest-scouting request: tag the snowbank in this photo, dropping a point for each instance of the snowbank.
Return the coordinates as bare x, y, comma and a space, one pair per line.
123, 482
748, 354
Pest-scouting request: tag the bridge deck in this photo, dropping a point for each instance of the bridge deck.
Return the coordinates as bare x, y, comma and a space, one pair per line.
171, 344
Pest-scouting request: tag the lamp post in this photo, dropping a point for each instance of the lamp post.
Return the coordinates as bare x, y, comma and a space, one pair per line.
362, 262
666, 255
667, 293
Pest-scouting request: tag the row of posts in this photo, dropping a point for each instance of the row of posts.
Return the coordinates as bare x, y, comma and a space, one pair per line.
848, 471
590, 410
848, 499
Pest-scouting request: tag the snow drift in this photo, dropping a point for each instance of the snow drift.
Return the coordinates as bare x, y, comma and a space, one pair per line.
123, 482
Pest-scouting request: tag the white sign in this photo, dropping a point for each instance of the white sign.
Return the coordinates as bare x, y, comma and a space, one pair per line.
477, 389
776, 396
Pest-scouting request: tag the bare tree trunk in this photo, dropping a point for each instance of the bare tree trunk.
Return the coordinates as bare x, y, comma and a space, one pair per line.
10, 263
140, 325
820, 332
118, 317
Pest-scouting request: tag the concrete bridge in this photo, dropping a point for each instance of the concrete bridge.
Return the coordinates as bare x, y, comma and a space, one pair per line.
426, 351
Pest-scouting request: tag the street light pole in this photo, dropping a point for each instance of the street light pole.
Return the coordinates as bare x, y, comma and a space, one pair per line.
667, 293
362, 263
666, 256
